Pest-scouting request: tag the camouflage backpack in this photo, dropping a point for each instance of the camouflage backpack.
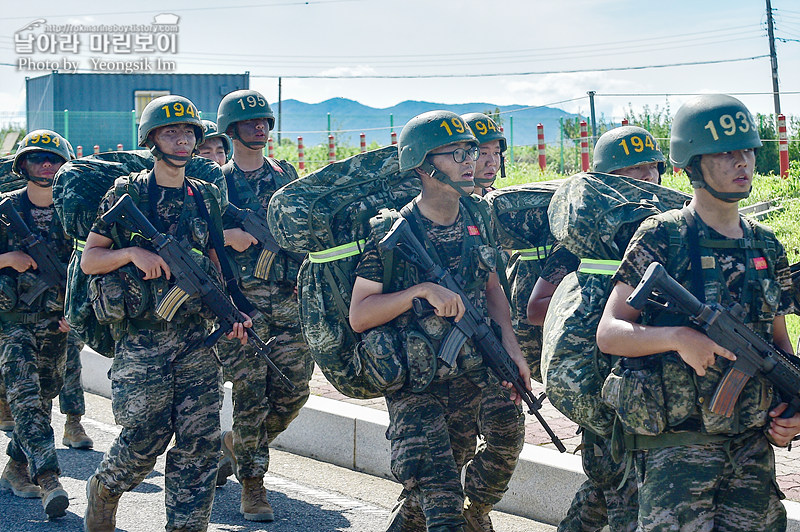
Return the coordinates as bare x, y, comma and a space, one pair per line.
593, 215
519, 214
77, 190
327, 214
9, 180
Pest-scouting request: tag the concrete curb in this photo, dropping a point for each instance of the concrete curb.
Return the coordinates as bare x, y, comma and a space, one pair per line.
353, 436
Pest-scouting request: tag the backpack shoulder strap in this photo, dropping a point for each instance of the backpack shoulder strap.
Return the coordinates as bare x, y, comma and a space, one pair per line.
380, 225
479, 210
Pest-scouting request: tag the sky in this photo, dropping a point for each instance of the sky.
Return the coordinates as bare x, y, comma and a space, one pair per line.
522, 52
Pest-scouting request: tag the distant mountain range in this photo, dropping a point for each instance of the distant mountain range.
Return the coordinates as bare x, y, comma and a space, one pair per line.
348, 119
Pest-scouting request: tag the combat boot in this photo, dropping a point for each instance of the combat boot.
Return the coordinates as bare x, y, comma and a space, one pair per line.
16, 478
406, 516
74, 435
254, 500
6, 419
227, 465
477, 517
54, 498
101, 508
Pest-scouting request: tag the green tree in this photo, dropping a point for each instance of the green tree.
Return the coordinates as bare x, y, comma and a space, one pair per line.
767, 160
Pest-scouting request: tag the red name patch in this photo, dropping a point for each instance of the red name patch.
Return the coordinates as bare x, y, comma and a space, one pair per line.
190, 192
473, 230
760, 263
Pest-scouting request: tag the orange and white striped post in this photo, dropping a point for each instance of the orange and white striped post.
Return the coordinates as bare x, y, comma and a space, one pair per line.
119, 147
783, 146
541, 147
79, 151
624, 121
394, 138
363, 142
331, 150
584, 146
270, 148
96, 149
301, 154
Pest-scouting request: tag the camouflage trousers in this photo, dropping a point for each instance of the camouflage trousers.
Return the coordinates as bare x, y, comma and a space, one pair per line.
262, 406
32, 361
432, 436
600, 500
159, 391
70, 398
725, 486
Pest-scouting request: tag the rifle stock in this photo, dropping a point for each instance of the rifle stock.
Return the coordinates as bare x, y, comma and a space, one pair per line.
472, 325
191, 279
51, 271
754, 355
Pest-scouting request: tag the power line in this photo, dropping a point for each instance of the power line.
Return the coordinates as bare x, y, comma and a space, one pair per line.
503, 74
649, 94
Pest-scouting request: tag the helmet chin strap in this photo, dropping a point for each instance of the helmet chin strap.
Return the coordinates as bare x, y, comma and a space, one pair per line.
464, 188
251, 145
696, 178
170, 159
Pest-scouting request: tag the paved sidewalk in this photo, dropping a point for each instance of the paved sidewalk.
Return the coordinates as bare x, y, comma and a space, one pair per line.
786, 463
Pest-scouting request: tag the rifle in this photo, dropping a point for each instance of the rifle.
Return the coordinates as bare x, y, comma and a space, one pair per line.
191, 279
51, 272
725, 327
256, 224
471, 325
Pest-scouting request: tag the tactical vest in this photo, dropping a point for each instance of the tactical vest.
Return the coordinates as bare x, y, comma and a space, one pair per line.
142, 296
669, 396
241, 194
420, 338
14, 284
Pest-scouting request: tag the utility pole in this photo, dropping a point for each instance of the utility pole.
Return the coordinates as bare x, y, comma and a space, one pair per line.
773, 57
280, 114
591, 114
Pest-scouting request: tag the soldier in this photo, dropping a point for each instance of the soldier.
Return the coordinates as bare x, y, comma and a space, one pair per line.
262, 406
34, 336
697, 470
631, 152
165, 382
492, 147
433, 417
501, 423
216, 146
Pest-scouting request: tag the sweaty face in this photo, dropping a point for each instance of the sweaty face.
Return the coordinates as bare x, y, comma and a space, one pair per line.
213, 149
488, 164
462, 172
255, 130
41, 166
175, 139
730, 171
643, 172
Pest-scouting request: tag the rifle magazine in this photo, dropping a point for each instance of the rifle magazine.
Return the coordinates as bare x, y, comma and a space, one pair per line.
171, 302
264, 264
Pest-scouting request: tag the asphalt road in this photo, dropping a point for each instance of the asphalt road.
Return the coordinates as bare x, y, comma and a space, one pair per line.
307, 495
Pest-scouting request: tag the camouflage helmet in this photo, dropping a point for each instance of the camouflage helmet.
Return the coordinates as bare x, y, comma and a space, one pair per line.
210, 131
427, 132
626, 146
40, 140
711, 123
165, 111
485, 129
242, 105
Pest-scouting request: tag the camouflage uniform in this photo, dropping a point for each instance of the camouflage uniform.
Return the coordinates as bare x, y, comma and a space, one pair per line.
262, 406
598, 501
725, 479
159, 387
33, 355
70, 398
432, 425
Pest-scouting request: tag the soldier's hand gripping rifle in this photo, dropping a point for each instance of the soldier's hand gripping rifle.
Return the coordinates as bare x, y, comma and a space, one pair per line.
256, 224
724, 326
472, 325
190, 279
50, 271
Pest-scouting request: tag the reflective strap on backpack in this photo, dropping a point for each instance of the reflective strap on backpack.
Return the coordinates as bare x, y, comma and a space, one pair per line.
539, 253
337, 253
78, 245
599, 267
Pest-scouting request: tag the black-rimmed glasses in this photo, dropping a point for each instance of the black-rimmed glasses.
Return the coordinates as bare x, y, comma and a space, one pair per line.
460, 154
